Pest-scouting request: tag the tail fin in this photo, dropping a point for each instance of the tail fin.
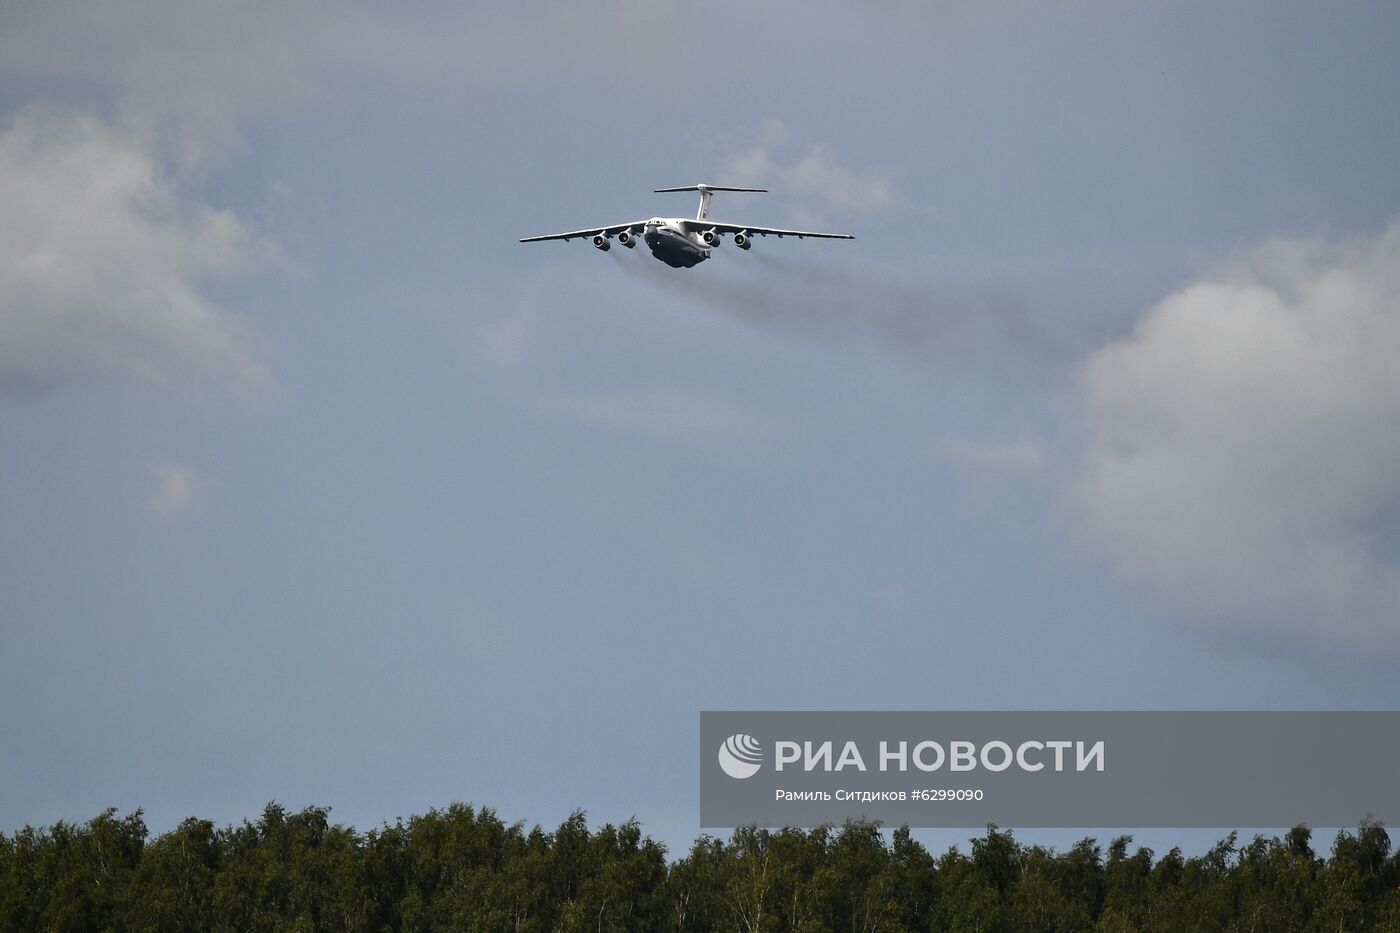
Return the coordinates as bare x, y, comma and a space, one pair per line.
706, 191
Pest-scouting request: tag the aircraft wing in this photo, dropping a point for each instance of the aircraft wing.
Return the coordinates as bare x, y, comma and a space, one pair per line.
634, 227
702, 225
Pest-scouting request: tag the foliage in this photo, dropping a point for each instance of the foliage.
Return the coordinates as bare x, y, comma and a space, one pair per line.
465, 869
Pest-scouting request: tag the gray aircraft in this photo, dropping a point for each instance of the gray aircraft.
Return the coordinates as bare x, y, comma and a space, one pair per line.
680, 241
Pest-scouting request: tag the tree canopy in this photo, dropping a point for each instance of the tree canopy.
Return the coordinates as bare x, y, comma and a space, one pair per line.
465, 869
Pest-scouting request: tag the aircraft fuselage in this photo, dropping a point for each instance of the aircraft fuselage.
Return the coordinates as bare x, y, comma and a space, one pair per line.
671, 242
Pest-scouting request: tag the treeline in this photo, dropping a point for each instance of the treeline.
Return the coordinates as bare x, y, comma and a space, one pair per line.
464, 869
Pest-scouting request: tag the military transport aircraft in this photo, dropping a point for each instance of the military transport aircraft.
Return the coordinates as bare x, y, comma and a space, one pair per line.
679, 241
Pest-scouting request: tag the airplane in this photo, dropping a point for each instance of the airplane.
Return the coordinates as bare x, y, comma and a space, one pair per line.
679, 241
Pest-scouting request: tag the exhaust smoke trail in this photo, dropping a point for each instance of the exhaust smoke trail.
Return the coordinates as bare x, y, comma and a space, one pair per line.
886, 307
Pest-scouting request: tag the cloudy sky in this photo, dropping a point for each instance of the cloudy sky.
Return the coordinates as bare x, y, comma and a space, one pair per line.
316, 485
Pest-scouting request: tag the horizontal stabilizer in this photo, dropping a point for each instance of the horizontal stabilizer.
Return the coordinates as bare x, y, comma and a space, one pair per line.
706, 192
708, 188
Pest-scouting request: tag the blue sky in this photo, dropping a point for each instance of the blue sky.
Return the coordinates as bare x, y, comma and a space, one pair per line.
316, 485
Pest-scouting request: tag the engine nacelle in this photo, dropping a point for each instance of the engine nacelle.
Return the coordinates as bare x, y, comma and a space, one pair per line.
626, 238
602, 242
712, 238
742, 240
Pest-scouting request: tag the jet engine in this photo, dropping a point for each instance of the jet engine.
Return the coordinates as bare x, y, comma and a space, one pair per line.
741, 240
712, 238
626, 238
602, 242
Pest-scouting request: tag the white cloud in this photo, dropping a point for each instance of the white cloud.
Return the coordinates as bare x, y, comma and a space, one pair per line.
103, 261
1241, 458
176, 490
206, 66
1021, 458
813, 174
593, 350
205, 63
671, 415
